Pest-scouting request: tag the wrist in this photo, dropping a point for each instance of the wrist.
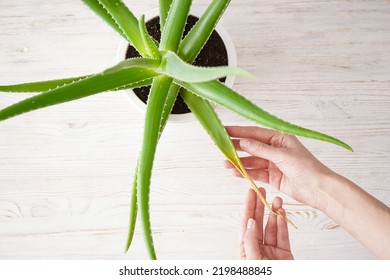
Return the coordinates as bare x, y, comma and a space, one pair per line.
326, 198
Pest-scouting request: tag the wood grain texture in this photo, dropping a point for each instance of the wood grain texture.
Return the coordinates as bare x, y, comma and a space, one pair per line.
66, 171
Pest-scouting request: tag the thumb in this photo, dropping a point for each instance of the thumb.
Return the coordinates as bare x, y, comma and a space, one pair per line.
260, 149
252, 241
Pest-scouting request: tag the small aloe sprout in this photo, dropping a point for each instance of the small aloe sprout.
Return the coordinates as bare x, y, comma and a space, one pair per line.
167, 67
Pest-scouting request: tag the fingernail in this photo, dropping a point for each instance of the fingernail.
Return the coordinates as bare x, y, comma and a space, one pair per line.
245, 143
250, 224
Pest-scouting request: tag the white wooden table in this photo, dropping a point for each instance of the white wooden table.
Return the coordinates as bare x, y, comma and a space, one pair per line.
66, 171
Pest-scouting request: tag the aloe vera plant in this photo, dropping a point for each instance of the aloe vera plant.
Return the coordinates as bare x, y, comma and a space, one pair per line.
167, 67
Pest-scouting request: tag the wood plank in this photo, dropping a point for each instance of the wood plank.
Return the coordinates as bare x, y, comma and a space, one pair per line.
66, 171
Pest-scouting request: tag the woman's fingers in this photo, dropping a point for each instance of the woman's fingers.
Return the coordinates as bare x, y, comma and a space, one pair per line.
236, 144
260, 149
277, 203
253, 210
256, 148
248, 211
250, 163
271, 229
260, 175
253, 132
252, 241
283, 239
259, 214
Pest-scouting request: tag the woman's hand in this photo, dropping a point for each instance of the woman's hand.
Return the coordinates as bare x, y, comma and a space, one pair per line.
258, 244
283, 162
280, 160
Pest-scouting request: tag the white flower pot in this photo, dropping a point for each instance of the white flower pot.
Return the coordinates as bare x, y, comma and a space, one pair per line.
187, 117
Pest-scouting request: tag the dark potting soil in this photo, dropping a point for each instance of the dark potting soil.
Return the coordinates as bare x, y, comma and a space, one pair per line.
213, 54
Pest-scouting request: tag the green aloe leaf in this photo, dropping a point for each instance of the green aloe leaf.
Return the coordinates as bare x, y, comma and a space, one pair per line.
210, 121
95, 6
142, 83
164, 6
172, 96
154, 111
219, 93
193, 43
133, 210
94, 84
174, 25
171, 65
170, 101
127, 23
40, 86
151, 47
52, 84
148, 63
